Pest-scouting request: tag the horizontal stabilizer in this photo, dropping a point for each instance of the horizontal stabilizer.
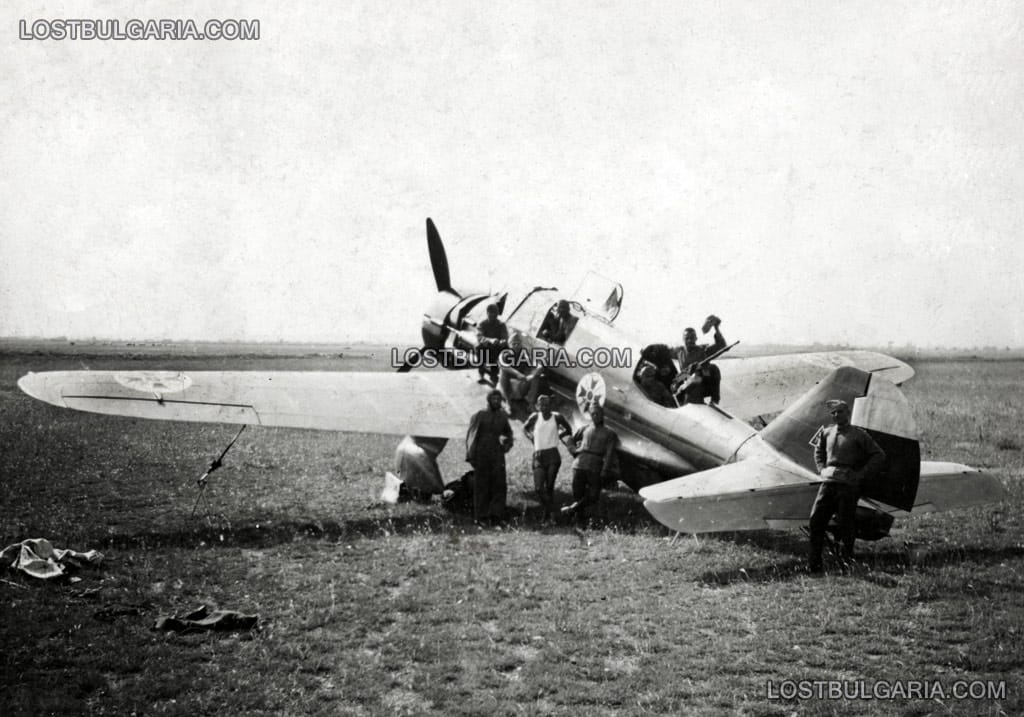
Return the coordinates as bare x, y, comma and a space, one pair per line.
945, 486
425, 403
749, 495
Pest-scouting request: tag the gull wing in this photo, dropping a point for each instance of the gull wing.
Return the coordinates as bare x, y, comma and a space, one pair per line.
749, 495
426, 403
764, 385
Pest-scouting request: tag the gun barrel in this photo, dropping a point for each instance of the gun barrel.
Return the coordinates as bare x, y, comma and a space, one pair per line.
715, 355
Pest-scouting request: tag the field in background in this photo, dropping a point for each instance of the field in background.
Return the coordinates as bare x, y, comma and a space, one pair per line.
411, 610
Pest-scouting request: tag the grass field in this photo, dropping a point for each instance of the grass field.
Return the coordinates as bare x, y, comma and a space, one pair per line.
411, 610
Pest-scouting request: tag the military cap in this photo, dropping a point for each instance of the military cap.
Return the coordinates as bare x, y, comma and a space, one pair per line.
835, 404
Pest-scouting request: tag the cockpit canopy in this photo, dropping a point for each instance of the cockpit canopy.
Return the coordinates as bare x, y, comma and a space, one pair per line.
599, 296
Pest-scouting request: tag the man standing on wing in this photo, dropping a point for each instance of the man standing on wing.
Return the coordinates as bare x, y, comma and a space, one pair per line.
846, 457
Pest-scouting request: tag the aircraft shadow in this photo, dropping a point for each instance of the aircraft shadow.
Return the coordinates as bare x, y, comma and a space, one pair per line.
618, 511
881, 568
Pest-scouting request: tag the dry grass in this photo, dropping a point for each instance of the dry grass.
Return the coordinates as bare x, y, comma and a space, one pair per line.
366, 610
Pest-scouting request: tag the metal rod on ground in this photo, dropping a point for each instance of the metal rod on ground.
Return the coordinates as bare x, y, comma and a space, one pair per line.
217, 463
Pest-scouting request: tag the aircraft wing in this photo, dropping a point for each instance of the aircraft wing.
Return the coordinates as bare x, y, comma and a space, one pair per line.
763, 385
425, 403
749, 495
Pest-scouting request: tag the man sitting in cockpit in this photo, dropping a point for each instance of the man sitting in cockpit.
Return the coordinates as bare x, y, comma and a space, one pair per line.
660, 356
557, 326
653, 388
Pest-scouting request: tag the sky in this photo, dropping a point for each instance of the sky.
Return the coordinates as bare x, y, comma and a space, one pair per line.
842, 173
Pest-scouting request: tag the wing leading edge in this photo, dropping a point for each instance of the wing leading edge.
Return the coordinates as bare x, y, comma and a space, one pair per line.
436, 404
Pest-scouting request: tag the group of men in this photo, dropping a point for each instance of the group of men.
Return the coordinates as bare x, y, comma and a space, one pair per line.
490, 437
697, 379
490, 434
517, 376
846, 456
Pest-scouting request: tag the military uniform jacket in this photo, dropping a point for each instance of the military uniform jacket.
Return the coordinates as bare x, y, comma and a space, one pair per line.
595, 448
851, 451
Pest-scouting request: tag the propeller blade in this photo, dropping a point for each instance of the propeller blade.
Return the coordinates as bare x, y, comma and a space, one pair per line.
438, 259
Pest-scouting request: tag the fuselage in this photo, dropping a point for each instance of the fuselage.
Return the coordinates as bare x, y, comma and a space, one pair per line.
656, 442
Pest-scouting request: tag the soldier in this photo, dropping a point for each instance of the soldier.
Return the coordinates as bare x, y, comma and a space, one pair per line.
699, 381
519, 380
653, 388
488, 440
846, 457
557, 328
492, 336
545, 429
594, 448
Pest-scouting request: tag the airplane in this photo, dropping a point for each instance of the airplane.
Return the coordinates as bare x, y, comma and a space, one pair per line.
699, 467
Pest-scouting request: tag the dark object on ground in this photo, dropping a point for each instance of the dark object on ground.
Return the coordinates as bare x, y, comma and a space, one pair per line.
202, 619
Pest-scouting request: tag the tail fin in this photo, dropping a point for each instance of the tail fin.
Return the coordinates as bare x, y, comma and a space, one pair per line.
878, 407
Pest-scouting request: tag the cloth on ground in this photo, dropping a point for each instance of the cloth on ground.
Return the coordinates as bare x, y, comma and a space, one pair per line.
203, 619
38, 558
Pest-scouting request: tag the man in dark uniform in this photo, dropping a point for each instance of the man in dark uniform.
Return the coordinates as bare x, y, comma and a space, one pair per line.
488, 440
653, 388
846, 457
492, 336
557, 328
593, 446
706, 380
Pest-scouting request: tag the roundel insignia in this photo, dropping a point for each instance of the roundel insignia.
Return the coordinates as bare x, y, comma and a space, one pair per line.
589, 390
159, 382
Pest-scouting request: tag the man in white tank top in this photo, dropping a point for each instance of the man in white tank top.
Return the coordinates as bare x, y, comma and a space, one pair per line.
546, 429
